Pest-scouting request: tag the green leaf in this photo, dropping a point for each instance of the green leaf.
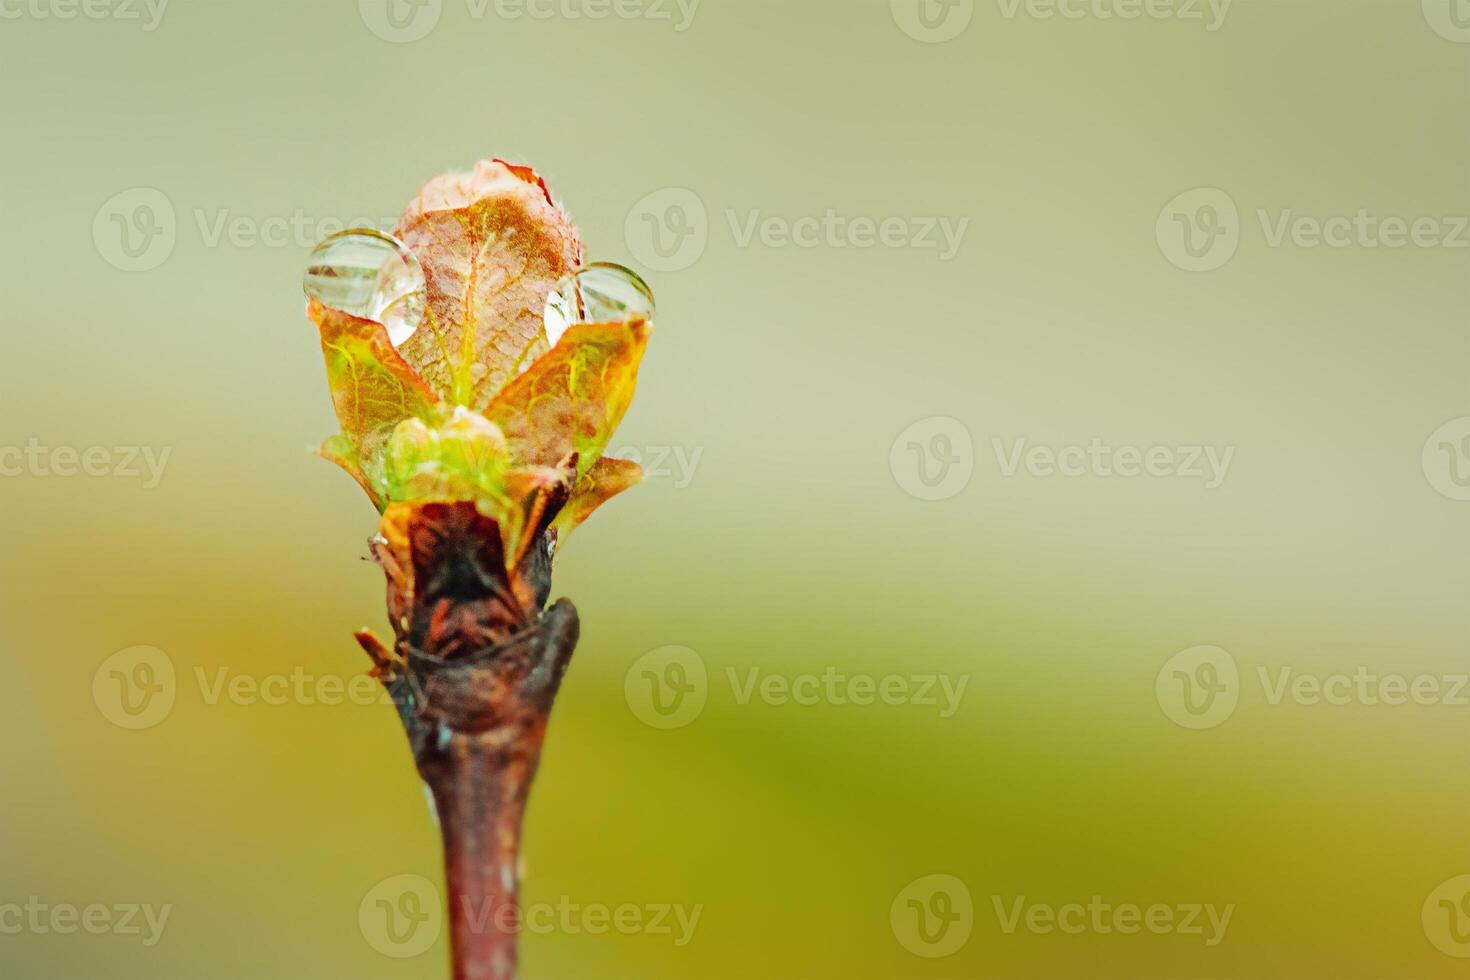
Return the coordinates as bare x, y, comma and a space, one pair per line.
573, 398
373, 390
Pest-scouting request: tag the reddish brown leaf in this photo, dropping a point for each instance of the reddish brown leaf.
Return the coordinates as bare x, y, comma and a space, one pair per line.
492, 245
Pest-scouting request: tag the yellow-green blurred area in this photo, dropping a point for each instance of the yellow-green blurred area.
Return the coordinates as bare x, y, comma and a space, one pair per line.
164, 180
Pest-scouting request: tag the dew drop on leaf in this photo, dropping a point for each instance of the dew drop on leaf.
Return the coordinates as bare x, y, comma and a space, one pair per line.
371, 275
598, 293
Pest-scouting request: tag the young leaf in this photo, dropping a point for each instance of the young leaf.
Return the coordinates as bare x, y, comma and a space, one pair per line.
608, 477
492, 245
572, 399
373, 390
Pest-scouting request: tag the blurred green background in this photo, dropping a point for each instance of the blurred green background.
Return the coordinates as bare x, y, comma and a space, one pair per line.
164, 179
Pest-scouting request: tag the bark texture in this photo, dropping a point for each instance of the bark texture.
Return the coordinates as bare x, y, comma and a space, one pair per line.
475, 671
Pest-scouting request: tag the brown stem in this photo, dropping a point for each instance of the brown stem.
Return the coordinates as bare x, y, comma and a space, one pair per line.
474, 673
477, 727
480, 787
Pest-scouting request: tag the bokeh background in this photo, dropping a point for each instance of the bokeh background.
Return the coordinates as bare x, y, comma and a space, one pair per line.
165, 173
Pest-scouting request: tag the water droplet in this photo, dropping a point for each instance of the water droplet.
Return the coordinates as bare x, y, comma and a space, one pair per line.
598, 293
372, 275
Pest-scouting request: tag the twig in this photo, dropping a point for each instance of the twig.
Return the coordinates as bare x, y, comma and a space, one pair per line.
475, 720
